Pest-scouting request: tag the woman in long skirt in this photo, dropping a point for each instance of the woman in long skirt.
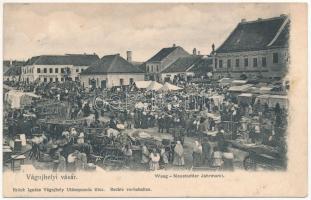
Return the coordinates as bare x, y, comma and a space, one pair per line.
179, 155
154, 160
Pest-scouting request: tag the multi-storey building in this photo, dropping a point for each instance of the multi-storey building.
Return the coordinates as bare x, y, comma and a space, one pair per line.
254, 49
161, 60
56, 68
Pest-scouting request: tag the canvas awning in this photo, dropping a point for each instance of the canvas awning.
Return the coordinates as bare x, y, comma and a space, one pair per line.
264, 90
142, 84
17, 98
240, 88
238, 82
272, 100
169, 87
154, 86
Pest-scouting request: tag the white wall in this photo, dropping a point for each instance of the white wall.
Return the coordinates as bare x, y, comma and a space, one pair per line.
111, 79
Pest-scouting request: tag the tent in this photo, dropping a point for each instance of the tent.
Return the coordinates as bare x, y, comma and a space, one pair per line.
265, 90
238, 82
154, 86
18, 99
142, 84
169, 87
272, 100
225, 81
245, 98
240, 88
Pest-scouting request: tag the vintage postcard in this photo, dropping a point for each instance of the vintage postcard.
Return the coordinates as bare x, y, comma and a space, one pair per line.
155, 100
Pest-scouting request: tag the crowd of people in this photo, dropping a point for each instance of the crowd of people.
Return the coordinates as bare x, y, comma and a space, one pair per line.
191, 113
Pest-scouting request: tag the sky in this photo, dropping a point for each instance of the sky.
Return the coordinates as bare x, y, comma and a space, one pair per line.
40, 29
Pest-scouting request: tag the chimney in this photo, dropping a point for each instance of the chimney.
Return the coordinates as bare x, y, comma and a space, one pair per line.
213, 48
243, 20
194, 51
174, 45
129, 56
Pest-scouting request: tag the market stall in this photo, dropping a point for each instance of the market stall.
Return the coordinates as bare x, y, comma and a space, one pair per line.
272, 100
169, 87
245, 98
18, 99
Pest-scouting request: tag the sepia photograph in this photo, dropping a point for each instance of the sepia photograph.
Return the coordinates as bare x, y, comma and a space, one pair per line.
169, 90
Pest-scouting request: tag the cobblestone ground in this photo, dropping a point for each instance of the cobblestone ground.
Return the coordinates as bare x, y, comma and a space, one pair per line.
135, 165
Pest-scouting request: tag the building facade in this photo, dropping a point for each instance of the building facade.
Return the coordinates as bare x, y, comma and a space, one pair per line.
111, 71
186, 68
254, 49
161, 60
48, 68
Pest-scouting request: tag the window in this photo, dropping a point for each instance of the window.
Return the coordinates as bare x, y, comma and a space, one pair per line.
228, 63
56, 70
216, 62
61, 79
275, 58
51, 79
131, 81
264, 61
254, 62
38, 70
237, 62
62, 70
51, 70
121, 81
152, 68
220, 63
76, 78
45, 70
158, 68
77, 70
45, 79
56, 79
82, 70
245, 62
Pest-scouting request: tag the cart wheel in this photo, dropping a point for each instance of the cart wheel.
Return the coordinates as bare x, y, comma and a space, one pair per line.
112, 162
249, 163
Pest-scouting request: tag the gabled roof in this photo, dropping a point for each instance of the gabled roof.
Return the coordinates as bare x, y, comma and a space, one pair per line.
191, 64
82, 59
163, 53
111, 64
182, 64
68, 59
257, 35
13, 71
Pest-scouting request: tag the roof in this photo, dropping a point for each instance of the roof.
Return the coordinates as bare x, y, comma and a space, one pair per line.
182, 64
68, 59
111, 64
13, 71
163, 53
257, 35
